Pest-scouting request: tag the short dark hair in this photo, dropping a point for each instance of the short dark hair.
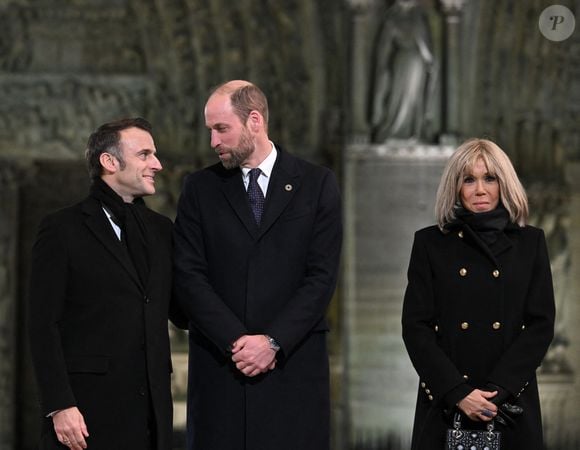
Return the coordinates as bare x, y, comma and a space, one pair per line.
107, 138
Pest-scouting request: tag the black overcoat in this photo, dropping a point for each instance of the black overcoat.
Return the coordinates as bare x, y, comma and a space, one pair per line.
472, 315
233, 278
99, 336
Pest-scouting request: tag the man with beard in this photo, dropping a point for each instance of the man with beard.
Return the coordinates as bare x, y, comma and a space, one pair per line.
257, 245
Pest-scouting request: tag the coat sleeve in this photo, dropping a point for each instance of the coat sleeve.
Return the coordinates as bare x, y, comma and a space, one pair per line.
48, 281
520, 361
434, 367
192, 289
309, 303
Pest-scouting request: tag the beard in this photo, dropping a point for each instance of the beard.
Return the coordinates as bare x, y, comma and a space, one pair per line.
240, 153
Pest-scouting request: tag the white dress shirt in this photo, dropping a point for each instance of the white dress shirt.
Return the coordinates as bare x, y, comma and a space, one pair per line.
266, 167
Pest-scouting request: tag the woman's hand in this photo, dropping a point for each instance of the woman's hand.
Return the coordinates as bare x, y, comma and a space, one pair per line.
477, 406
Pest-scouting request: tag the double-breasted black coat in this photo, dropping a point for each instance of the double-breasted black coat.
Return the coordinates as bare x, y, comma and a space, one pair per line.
474, 315
99, 336
233, 277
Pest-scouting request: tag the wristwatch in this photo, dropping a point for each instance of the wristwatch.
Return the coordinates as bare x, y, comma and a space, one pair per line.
273, 344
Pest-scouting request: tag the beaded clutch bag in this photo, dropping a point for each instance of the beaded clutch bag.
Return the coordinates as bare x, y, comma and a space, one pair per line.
461, 439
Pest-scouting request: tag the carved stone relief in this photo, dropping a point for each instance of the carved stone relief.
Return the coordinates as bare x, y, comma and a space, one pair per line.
50, 116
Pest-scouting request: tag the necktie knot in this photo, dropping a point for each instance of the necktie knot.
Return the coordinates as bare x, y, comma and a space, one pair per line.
255, 195
254, 174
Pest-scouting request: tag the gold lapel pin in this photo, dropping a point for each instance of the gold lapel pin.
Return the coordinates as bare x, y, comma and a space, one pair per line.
288, 187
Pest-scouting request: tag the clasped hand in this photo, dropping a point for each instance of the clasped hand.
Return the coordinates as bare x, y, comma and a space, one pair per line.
253, 355
70, 428
487, 405
478, 406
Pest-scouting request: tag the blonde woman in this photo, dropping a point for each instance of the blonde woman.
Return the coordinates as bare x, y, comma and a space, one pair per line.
478, 313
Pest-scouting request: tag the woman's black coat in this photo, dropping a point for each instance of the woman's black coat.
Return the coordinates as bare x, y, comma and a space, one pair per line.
474, 315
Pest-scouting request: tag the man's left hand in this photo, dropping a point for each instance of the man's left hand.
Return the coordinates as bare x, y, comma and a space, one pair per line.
253, 355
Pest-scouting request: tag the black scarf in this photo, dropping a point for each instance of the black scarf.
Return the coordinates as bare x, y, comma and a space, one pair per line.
128, 216
487, 225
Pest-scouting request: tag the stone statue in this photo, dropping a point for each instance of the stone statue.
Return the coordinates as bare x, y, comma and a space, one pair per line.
403, 62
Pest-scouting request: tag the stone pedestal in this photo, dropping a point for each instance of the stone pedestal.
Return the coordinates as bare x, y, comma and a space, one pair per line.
179, 389
389, 193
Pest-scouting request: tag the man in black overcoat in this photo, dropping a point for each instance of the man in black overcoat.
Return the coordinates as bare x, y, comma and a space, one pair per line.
99, 299
257, 244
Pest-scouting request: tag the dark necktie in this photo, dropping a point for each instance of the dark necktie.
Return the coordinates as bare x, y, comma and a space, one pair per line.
255, 195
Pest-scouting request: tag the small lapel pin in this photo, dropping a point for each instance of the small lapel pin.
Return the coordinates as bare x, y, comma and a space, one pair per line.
288, 187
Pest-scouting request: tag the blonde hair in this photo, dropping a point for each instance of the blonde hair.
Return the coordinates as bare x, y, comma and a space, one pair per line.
512, 193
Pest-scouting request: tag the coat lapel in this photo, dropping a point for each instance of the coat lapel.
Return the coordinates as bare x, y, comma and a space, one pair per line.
284, 182
283, 185
97, 222
235, 193
502, 244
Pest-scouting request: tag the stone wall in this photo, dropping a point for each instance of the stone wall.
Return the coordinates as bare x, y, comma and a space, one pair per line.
69, 66
8, 301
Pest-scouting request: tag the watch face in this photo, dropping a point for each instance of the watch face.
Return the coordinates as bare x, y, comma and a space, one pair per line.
273, 344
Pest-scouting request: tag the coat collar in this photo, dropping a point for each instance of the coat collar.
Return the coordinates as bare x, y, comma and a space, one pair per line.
99, 225
500, 246
284, 182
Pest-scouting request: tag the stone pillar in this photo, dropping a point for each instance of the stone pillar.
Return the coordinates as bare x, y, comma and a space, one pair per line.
451, 71
8, 291
359, 63
389, 192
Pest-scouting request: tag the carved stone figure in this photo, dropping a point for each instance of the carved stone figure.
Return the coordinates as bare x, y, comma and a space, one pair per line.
403, 61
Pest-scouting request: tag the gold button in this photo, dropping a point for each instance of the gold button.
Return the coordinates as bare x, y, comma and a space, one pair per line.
464, 325
496, 325
495, 273
463, 271
436, 328
430, 397
460, 234
427, 391
423, 385
466, 377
